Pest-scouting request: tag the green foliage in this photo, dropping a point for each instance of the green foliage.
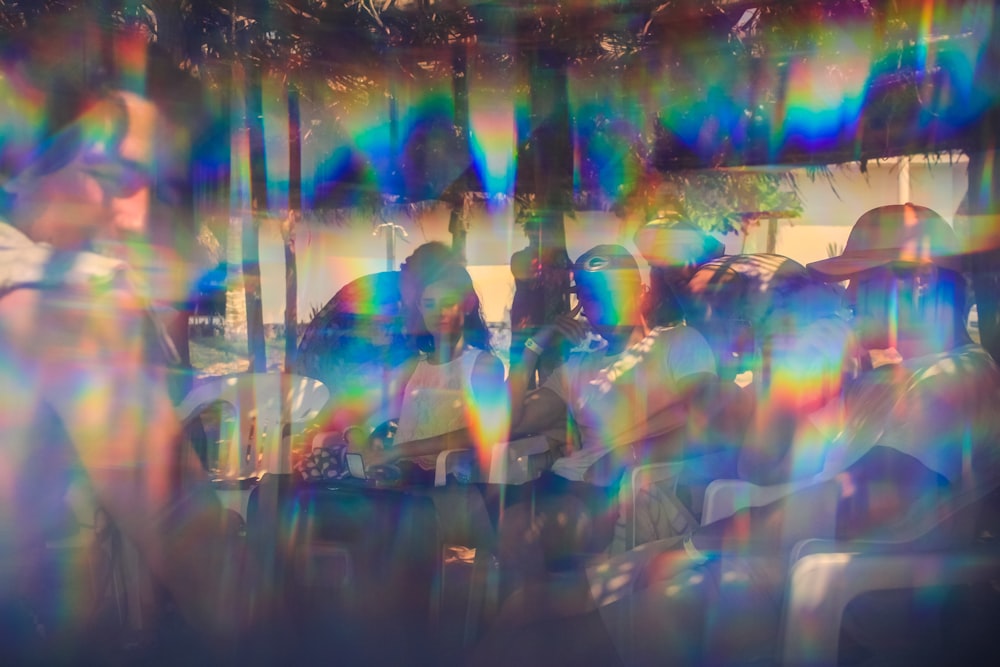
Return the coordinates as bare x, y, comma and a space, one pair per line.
359, 49
731, 200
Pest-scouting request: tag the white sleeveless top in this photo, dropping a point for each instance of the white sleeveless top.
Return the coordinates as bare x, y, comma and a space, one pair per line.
435, 400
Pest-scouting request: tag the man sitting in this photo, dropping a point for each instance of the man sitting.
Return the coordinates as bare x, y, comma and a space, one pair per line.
645, 387
918, 428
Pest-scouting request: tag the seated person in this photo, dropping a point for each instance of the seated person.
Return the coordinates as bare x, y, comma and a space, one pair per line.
541, 273
674, 249
779, 341
917, 431
641, 394
452, 396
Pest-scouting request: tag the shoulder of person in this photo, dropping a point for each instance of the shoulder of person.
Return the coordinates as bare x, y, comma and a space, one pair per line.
679, 334
521, 264
487, 365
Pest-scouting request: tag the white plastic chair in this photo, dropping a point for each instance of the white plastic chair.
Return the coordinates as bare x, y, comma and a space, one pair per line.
821, 586
262, 437
726, 497
826, 575
666, 475
510, 462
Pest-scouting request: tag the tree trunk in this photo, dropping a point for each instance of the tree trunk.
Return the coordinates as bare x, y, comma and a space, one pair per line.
544, 176
458, 223
251, 231
288, 227
983, 202
230, 198
236, 303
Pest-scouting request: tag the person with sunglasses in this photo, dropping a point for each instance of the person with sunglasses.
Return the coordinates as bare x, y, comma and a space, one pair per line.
638, 394
89, 251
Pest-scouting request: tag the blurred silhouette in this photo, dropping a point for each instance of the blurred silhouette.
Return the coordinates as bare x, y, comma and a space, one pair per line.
88, 255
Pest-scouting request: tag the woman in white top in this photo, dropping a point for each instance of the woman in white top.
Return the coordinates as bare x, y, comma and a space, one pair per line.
453, 395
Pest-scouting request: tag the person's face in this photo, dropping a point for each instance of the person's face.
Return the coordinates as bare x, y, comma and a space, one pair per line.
610, 303
441, 309
879, 298
102, 199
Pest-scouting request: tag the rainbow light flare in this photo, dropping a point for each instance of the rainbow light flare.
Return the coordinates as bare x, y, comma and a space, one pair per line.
492, 139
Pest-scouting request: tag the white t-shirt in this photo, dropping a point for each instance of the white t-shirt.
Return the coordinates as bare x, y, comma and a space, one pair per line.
610, 396
436, 400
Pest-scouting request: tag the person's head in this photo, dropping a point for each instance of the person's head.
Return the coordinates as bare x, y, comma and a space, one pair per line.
539, 231
609, 288
91, 183
676, 246
742, 303
674, 249
906, 284
802, 348
117, 178
449, 308
413, 274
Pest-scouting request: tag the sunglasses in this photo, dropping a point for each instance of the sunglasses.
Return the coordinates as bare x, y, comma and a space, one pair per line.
118, 176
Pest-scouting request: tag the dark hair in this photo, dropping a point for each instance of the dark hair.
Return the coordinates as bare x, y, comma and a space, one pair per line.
661, 302
412, 280
451, 272
738, 301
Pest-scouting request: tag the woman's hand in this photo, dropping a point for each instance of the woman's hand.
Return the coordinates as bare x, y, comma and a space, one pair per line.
374, 458
379, 457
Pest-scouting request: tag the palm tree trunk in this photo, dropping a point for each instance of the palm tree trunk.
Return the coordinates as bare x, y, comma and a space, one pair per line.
544, 172
251, 231
458, 223
230, 196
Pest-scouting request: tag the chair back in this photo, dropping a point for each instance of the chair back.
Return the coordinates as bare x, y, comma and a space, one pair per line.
653, 506
348, 549
259, 443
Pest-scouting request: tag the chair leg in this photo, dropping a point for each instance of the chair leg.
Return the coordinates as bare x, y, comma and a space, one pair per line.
475, 603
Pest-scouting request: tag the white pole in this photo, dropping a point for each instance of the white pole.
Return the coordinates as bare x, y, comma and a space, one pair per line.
904, 180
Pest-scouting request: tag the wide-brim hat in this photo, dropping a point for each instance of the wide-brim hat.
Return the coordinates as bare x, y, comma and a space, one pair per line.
676, 242
895, 234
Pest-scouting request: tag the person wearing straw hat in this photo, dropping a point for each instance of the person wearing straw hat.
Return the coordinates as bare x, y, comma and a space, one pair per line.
920, 429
